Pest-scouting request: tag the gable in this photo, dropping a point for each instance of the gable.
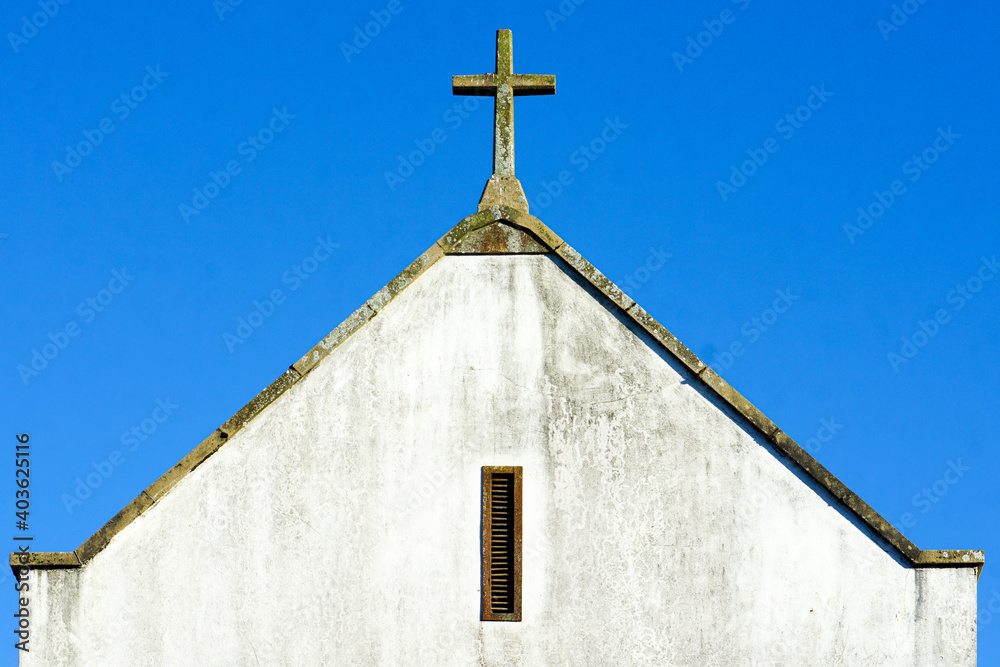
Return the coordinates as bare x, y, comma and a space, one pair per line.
654, 513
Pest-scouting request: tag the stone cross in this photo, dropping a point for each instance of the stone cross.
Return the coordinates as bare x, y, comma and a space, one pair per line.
503, 187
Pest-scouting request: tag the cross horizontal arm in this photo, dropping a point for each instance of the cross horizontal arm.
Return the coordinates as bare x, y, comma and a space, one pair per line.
484, 85
474, 84
533, 84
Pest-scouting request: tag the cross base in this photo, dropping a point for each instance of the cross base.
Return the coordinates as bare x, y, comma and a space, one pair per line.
503, 191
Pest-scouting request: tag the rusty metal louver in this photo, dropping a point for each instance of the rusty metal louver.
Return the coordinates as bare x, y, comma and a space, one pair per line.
501, 544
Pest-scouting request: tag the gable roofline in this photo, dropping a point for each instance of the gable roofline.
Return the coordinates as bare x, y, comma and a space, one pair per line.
463, 239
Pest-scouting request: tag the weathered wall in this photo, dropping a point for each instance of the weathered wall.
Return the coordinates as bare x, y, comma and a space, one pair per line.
341, 526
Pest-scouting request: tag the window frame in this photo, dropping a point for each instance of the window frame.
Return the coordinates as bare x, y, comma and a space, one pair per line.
486, 540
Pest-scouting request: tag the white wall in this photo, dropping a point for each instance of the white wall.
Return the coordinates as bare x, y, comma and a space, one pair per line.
341, 526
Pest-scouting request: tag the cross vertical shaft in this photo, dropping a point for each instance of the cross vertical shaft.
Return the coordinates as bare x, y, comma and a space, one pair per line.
503, 108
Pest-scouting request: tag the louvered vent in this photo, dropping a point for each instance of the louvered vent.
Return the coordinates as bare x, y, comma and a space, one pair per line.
501, 544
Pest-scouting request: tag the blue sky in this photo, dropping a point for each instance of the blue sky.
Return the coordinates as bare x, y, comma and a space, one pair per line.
165, 170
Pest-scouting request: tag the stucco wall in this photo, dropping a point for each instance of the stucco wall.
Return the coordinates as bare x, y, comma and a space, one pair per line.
341, 526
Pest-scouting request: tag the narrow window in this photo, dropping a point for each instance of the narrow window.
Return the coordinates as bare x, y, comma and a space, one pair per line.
501, 543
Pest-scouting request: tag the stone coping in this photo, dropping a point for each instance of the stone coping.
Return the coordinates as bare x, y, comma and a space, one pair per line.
537, 234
